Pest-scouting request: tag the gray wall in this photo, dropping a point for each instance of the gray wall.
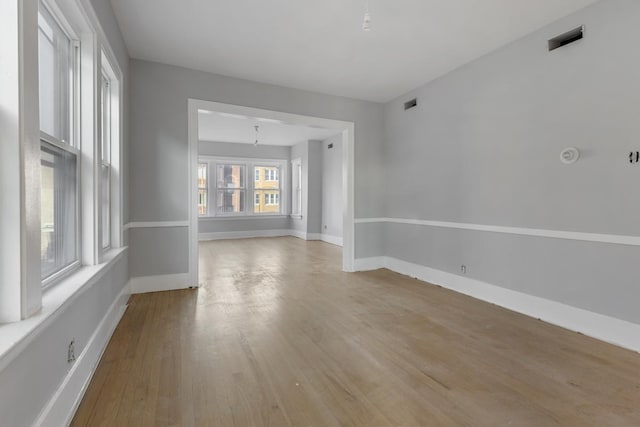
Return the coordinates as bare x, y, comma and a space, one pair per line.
225, 149
158, 155
314, 188
483, 147
332, 187
310, 153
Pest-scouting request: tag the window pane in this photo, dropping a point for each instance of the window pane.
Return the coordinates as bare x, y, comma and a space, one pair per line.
58, 210
230, 201
202, 189
230, 176
267, 201
55, 73
106, 206
267, 190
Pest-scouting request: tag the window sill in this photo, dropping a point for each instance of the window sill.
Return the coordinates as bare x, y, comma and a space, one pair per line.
15, 337
224, 218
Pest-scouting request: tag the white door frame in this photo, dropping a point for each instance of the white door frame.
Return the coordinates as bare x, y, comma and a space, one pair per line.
348, 167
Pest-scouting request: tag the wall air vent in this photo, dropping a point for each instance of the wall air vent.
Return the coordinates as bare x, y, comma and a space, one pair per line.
411, 104
566, 38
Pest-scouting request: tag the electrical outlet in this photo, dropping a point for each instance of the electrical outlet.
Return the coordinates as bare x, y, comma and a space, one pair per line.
463, 268
71, 353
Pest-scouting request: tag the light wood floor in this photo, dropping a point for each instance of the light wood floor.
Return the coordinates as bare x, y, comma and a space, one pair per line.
278, 336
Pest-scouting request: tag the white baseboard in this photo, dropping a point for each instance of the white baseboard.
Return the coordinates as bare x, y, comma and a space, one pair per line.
163, 282
334, 240
605, 328
368, 264
64, 403
304, 235
224, 235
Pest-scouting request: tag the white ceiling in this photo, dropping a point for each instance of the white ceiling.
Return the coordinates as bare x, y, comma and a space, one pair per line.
221, 127
319, 45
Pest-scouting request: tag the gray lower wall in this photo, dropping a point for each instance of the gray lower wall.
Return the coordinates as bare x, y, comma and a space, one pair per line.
370, 240
227, 225
31, 379
593, 276
158, 178
161, 250
483, 147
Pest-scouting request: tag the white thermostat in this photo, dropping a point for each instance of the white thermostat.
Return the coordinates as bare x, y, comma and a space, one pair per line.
569, 155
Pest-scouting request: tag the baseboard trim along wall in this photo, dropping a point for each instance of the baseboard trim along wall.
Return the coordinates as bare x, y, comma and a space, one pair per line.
609, 329
64, 403
334, 240
537, 232
163, 282
224, 235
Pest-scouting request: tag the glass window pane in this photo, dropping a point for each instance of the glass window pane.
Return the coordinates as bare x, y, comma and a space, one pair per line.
106, 206
230, 176
267, 201
58, 210
230, 201
55, 73
202, 189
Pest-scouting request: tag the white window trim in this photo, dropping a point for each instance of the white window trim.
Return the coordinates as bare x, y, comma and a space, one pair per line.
73, 145
249, 163
296, 163
109, 70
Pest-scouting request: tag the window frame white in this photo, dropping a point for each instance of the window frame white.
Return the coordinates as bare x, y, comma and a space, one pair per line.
109, 73
21, 292
296, 188
250, 165
73, 145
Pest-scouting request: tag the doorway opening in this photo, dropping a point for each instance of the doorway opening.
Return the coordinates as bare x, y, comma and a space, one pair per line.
253, 166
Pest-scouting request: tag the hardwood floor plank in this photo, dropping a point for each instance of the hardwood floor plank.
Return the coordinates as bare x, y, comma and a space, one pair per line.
279, 336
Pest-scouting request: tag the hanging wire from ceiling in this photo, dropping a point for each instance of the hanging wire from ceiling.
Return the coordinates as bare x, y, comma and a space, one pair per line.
366, 23
256, 127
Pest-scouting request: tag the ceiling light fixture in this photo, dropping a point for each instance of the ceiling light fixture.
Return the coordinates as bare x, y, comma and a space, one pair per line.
256, 127
366, 23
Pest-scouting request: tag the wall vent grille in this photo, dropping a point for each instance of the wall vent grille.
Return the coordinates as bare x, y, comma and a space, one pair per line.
410, 104
566, 38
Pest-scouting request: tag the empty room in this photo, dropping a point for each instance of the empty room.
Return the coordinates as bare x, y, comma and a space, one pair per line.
330, 213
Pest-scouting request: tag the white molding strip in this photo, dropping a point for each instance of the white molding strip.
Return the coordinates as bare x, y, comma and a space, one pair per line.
155, 224
64, 403
605, 328
224, 235
616, 239
163, 282
334, 240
